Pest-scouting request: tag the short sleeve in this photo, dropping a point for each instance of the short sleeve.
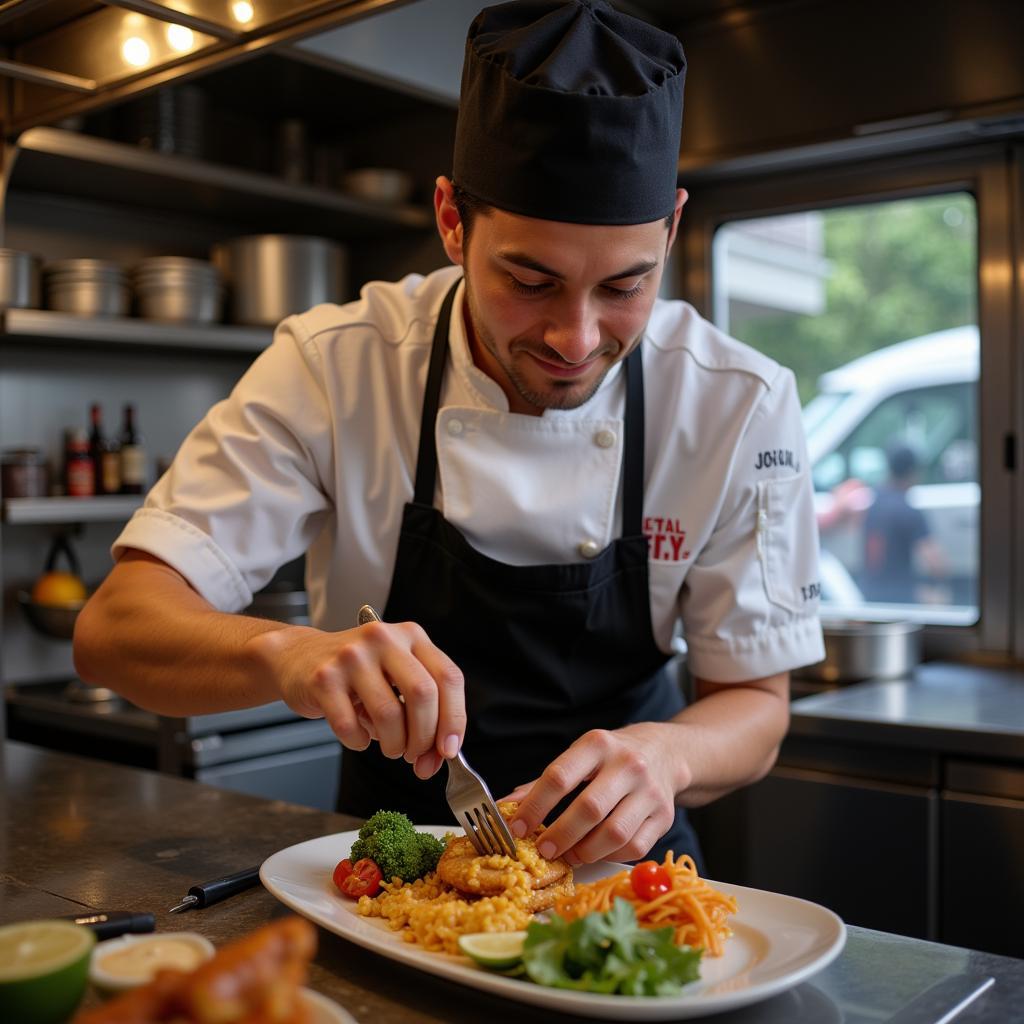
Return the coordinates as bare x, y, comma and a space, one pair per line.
749, 604
245, 494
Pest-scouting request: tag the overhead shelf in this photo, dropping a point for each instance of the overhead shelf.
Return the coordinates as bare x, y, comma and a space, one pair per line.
46, 511
60, 162
47, 326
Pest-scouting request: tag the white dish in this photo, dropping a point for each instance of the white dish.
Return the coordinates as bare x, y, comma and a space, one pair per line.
323, 1010
149, 961
778, 941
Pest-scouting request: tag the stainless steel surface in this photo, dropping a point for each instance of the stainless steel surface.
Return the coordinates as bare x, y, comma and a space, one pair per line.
133, 332
19, 279
169, 42
86, 287
46, 76
272, 276
944, 1001
285, 603
72, 164
858, 650
178, 290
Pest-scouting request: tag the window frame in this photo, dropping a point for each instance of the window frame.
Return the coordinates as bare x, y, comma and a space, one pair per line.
993, 174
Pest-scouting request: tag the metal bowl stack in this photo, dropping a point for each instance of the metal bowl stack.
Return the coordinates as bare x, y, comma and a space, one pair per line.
86, 287
176, 289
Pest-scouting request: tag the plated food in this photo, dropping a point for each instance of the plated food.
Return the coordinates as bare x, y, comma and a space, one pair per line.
778, 941
641, 932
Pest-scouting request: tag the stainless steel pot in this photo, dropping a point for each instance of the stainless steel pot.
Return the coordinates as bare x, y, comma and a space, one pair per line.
178, 290
856, 650
86, 287
270, 277
19, 280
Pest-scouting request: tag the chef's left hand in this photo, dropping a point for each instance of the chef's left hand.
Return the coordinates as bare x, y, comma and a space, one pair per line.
633, 775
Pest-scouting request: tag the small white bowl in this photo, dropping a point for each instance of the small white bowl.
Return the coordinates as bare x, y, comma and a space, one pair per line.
150, 959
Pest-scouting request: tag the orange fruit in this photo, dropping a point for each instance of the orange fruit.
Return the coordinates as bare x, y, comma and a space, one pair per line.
58, 588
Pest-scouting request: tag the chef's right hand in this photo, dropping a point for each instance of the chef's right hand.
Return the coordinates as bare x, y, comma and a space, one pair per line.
355, 679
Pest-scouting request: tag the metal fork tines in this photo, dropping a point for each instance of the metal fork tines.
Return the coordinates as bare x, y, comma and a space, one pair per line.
474, 808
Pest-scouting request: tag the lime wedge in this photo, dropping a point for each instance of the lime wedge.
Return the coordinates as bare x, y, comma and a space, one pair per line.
43, 969
497, 950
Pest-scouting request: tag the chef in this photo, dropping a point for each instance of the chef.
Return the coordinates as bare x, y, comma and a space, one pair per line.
545, 477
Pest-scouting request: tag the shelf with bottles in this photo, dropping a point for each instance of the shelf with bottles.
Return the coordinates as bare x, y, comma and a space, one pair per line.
41, 325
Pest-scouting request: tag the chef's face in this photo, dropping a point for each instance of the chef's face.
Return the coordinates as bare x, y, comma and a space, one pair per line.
551, 306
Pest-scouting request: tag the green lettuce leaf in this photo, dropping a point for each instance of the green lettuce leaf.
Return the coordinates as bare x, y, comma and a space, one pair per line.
608, 953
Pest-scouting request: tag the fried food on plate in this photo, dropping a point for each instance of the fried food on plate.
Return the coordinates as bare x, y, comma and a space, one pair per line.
464, 869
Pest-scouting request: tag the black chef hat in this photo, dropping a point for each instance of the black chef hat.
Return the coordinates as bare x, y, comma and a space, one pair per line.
570, 111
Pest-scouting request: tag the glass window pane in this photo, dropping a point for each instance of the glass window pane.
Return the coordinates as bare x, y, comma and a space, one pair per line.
874, 308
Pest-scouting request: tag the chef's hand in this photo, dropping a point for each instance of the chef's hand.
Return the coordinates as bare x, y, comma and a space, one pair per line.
633, 775
355, 679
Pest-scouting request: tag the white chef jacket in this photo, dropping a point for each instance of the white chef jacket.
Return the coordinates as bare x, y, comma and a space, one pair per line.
315, 451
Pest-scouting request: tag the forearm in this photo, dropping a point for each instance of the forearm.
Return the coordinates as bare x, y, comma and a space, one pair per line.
728, 738
148, 635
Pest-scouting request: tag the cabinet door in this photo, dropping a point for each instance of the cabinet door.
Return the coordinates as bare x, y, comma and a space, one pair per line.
863, 849
982, 876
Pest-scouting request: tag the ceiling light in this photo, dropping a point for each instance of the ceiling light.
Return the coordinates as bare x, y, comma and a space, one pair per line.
242, 11
181, 38
135, 51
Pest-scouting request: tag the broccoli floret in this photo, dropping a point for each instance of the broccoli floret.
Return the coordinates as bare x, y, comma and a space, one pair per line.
389, 839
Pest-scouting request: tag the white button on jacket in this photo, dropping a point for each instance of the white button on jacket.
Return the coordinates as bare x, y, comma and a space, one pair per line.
315, 450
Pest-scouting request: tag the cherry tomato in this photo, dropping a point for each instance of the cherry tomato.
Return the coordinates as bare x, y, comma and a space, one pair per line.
649, 879
363, 880
342, 871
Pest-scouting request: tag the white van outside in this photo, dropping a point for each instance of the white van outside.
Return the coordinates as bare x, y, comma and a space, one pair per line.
923, 392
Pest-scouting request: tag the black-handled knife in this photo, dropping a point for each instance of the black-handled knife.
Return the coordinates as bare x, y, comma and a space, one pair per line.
208, 893
111, 923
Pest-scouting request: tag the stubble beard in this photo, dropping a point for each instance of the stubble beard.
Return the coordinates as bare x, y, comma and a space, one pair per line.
561, 394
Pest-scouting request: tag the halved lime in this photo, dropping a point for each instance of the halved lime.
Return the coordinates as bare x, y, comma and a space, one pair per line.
497, 950
43, 969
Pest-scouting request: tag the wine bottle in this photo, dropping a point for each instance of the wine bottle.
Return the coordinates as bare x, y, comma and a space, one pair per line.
133, 455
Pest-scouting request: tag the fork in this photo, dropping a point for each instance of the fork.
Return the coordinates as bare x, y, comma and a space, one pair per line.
467, 794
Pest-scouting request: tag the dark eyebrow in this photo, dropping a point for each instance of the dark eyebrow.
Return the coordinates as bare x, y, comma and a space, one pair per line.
529, 263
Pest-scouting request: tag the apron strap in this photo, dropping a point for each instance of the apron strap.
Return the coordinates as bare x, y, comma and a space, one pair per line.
633, 456
426, 460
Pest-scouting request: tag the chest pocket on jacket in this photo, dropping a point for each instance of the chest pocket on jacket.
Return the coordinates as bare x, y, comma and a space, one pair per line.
787, 543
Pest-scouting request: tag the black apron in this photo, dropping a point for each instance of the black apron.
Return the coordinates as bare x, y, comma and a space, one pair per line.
548, 651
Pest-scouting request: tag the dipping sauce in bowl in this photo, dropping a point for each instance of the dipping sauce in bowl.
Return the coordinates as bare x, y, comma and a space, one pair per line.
132, 960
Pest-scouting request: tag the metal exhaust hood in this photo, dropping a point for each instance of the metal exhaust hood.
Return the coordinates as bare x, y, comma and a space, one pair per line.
59, 58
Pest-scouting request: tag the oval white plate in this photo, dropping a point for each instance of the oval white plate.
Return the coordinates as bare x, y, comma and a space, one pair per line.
778, 941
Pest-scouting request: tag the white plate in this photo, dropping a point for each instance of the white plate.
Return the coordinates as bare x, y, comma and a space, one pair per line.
778, 941
323, 1010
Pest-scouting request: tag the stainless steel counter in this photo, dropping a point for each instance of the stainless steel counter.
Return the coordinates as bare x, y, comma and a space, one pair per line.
942, 707
80, 833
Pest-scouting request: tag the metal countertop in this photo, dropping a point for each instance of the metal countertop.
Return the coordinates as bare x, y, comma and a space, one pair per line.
79, 833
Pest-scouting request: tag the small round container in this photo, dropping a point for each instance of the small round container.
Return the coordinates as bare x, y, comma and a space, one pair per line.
86, 287
176, 289
132, 960
378, 184
23, 473
19, 279
856, 650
